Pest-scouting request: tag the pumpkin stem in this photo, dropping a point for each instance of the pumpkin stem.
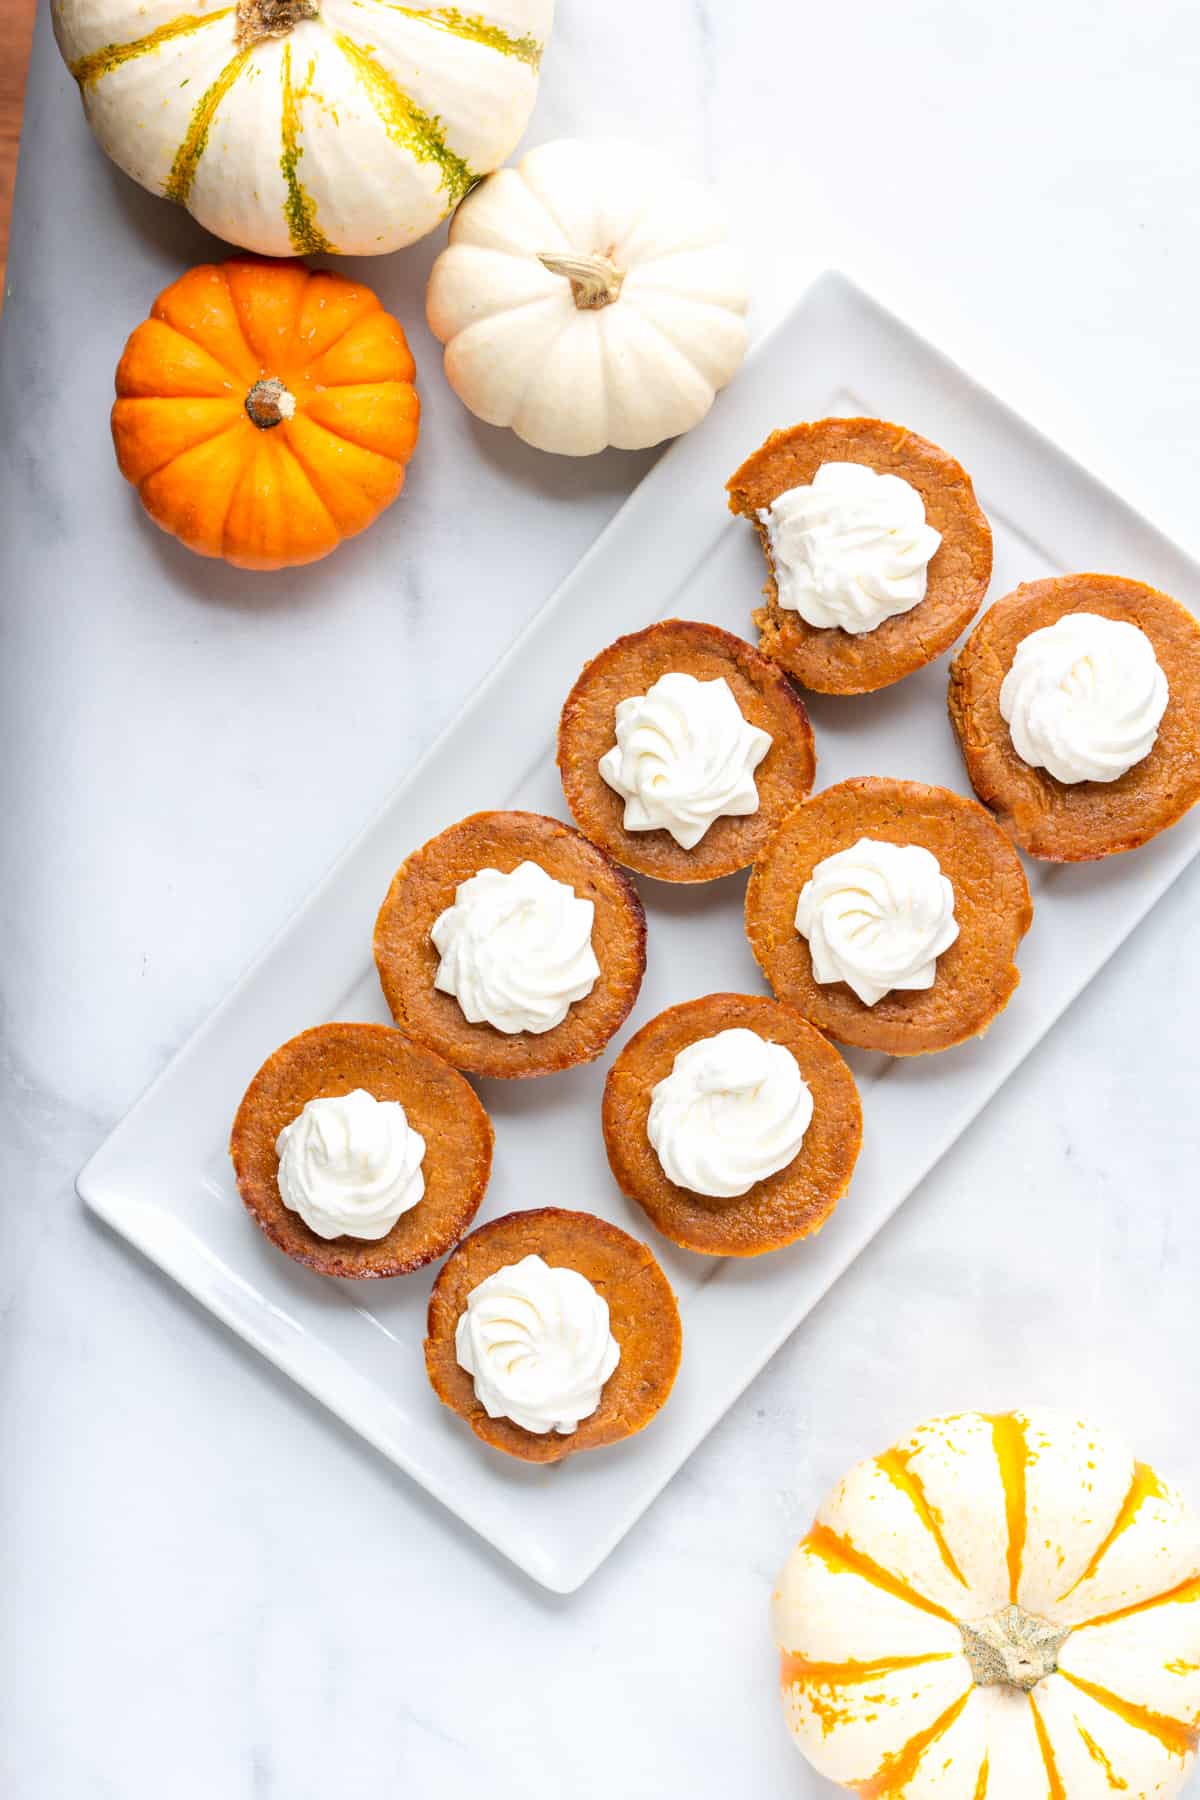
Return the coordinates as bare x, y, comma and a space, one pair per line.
595, 280
269, 403
270, 18
1012, 1648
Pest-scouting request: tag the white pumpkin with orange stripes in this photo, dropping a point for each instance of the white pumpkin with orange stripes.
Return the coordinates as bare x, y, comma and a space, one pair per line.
1000, 1608
305, 126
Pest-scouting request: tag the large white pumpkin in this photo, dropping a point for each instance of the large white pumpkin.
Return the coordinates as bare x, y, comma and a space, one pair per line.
588, 297
298, 126
1000, 1608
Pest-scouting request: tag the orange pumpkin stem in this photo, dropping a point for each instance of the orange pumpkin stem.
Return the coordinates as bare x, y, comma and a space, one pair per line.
269, 403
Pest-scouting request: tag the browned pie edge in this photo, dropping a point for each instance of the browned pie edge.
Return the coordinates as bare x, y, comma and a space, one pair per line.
631, 665
832, 661
643, 1317
424, 886
793, 1203
976, 976
1079, 822
332, 1059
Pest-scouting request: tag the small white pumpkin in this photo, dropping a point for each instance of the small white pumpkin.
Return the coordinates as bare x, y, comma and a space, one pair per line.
588, 297
298, 126
1000, 1608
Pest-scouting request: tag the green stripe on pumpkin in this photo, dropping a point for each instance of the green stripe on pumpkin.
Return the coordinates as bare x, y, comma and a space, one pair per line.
90, 68
474, 28
404, 122
299, 208
178, 185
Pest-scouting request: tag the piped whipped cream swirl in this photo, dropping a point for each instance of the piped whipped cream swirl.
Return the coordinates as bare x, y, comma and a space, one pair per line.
850, 548
877, 916
685, 755
516, 949
1084, 697
537, 1343
350, 1165
733, 1110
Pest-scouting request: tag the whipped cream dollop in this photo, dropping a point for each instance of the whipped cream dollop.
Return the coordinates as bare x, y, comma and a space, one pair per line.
1084, 697
350, 1165
733, 1110
516, 949
537, 1343
877, 916
850, 548
684, 756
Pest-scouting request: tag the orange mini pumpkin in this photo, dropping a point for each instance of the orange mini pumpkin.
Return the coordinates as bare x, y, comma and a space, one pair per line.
264, 411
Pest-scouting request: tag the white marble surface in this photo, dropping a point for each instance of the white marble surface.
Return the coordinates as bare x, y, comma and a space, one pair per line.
208, 1587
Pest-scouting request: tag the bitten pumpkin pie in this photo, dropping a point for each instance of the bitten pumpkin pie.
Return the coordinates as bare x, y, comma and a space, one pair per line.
593, 1315
360, 1153
733, 1124
511, 945
878, 553
681, 748
889, 913
1076, 702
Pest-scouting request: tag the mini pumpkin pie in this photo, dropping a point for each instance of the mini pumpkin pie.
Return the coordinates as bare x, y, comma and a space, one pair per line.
552, 1332
681, 748
733, 1124
359, 1153
511, 945
888, 913
877, 552
1076, 702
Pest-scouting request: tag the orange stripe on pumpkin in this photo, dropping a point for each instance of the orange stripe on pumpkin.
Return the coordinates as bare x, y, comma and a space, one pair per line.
1012, 1458
981, 1786
895, 1772
1144, 1486
1055, 1789
841, 1556
471, 29
1186, 1591
98, 63
299, 207
795, 1670
1172, 1734
1097, 1755
838, 1694
897, 1466
178, 185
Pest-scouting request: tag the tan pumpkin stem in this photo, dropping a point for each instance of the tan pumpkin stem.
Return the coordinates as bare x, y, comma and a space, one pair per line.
270, 403
270, 18
595, 280
1012, 1648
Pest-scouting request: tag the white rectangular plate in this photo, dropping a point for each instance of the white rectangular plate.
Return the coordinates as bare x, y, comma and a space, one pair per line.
163, 1178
